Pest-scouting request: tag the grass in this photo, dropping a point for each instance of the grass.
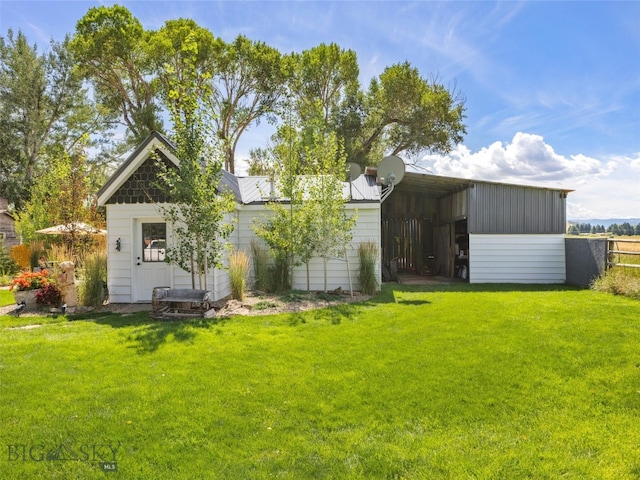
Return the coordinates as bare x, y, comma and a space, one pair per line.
483, 382
6, 297
622, 280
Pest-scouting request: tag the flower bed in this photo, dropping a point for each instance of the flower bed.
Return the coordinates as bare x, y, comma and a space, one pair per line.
36, 289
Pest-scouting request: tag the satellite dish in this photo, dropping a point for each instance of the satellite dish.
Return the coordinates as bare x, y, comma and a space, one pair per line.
353, 171
391, 170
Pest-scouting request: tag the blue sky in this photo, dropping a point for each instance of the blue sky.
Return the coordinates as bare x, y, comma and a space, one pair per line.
552, 88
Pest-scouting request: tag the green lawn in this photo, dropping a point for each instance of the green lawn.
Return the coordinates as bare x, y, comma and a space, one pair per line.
478, 382
6, 297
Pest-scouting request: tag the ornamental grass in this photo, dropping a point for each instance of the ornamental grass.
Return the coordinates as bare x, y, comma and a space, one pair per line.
239, 268
368, 255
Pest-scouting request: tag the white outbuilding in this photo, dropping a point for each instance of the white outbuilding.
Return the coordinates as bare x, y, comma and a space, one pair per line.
137, 233
476, 231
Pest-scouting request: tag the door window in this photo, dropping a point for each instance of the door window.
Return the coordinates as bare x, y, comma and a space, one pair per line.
154, 239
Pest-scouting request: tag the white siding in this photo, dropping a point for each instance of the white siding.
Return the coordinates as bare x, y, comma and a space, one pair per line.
217, 280
367, 228
120, 264
120, 274
516, 259
121, 222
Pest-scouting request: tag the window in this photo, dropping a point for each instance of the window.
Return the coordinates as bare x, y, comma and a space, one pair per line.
154, 239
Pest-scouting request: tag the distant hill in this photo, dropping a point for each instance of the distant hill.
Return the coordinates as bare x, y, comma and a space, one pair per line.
606, 222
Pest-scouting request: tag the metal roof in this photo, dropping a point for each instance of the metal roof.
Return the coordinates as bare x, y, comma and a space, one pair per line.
254, 190
257, 190
432, 186
229, 181
246, 190
436, 186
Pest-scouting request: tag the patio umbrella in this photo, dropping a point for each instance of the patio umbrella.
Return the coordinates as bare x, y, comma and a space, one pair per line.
74, 227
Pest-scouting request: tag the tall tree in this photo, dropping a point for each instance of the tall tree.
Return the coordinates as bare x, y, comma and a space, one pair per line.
324, 79
42, 104
259, 163
325, 86
198, 207
247, 81
309, 218
111, 49
403, 112
165, 49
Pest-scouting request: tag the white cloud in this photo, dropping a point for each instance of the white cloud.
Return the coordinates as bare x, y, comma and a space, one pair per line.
526, 159
604, 188
634, 163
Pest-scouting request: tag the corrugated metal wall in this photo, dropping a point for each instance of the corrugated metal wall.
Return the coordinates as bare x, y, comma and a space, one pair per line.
495, 208
453, 207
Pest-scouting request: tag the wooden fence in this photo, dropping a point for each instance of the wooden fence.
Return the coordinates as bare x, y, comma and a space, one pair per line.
623, 253
408, 242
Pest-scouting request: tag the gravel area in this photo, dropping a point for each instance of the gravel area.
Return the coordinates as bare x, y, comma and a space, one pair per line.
254, 303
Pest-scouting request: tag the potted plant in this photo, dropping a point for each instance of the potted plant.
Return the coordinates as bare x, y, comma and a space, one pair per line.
26, 285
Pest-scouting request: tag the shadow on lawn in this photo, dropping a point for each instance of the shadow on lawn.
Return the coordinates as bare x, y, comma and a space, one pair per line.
148, 338
461, 287
148, 333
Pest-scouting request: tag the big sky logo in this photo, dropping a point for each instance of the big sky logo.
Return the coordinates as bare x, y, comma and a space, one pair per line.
104, 454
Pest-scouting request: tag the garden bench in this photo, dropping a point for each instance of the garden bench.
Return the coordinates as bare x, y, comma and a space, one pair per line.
180, 302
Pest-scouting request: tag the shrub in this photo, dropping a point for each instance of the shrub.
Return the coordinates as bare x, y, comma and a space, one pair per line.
239, 268
8, 266
20, 253
92, 289
279, 277
368, 256
619, 281
264, 305
260, 255
49, 295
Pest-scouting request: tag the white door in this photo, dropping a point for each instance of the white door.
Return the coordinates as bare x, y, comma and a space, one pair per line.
149, 267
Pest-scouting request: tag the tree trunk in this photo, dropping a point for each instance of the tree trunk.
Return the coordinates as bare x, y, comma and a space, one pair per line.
346, 258
229, 160
324, 260
193, 273
206, 271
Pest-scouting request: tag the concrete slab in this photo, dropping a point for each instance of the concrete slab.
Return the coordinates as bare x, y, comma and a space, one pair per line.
129, 307
409, 279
